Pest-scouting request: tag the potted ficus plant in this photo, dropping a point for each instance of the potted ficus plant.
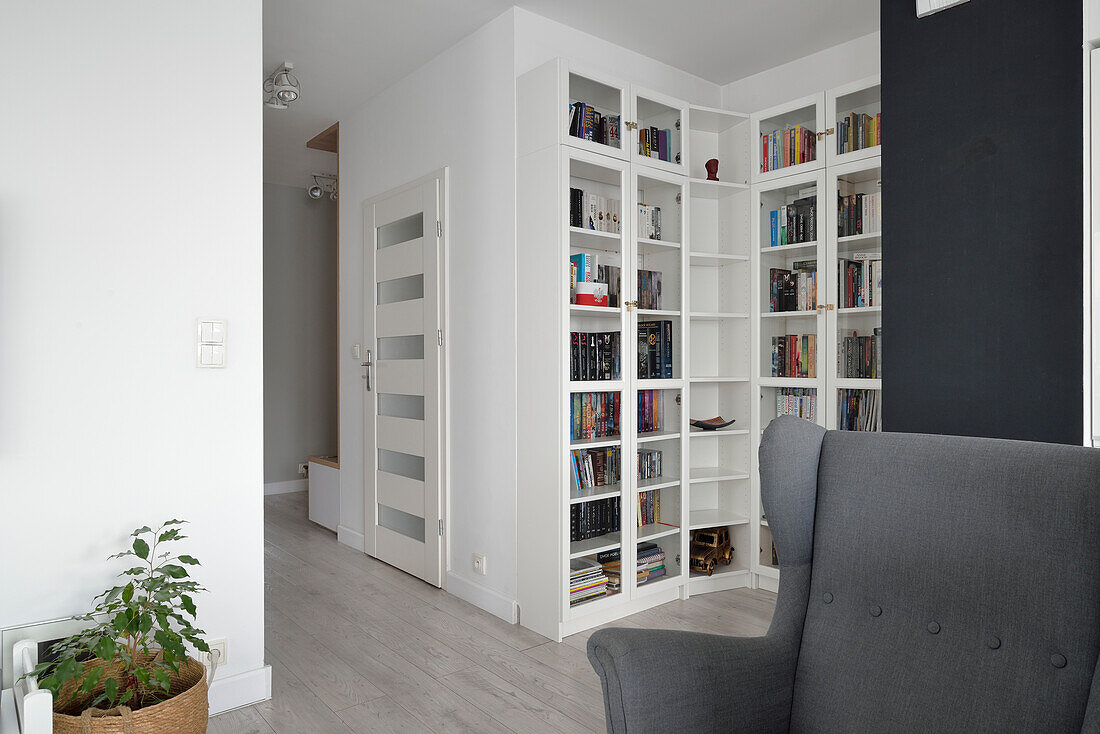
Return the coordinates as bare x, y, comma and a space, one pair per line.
129, 671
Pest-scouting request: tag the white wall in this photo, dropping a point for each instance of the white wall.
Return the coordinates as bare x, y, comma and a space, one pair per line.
817, 72
126, 212
299, 329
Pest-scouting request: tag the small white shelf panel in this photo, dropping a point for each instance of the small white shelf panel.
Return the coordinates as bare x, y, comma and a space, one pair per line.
598, 544
602, 311
798, 247
595, 493
704, 189
715, 519
717, 315
656, 530
716, 259
648, 485
650, 436
595, 443
715, 474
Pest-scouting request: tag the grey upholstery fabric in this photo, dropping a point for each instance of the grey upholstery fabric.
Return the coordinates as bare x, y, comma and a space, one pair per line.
668, 681
929, 583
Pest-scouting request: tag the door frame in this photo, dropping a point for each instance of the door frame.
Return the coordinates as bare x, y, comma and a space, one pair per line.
442, 175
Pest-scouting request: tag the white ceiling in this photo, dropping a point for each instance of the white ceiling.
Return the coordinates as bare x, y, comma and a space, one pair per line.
346, 51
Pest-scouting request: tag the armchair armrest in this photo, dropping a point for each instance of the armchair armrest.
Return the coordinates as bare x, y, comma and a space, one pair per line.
672, 681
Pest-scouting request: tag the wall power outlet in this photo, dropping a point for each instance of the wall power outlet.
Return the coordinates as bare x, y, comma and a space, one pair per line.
303, 469
479, 563
220, 644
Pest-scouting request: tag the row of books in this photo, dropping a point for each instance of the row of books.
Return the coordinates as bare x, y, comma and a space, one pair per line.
858, 213
651, 411
587, 123
649, 507
655, 143
860, 356
649, 221
649, 464
649, 289
787, 147
584, 267
586, 580
800, 402
591, 211
859, 410
655, 350
595, 355
794, 289
594, 415
650, 564
861, 280
794, 223
794, 355
593, 468
856, 131
595, 518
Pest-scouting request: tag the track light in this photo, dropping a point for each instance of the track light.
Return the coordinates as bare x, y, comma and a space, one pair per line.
282, 87
323, 183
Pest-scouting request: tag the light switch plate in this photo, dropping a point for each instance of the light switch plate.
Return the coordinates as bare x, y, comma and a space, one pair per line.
211, 346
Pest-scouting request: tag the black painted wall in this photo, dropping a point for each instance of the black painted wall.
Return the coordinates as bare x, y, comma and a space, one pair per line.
982, 162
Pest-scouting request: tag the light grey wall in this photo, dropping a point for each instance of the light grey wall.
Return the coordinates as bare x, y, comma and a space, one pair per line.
299, 329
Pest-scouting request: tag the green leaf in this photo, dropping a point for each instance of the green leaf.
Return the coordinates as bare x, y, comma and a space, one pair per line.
188, 605
141, 548
174, 522
139, 531
110, 689
125, 697
142, 675
128, 593
91, 679
162, 679
105, 649
189, 560
171, 569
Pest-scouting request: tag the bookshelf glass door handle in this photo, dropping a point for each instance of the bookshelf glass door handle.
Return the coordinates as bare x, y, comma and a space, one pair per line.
631, 305
366, 369
830, 131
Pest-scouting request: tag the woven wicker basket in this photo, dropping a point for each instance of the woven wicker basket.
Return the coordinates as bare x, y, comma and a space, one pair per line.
186, 712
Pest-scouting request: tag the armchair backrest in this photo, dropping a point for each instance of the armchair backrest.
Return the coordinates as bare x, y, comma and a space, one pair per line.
954, 583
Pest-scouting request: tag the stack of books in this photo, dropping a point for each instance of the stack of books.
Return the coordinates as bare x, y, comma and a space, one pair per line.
595, 467
649, 507
649, 464
797, 401
651, 411
591, 211
654, 350
584, 267
595, 518
649, 289
594, 355
861, 280
788, 147
794, 355
587, 123
586, 580
859, 410
654, 143
794, 289
857, 131
593, 415
858, 213
649, 221
650, 564
794, 223
860, 356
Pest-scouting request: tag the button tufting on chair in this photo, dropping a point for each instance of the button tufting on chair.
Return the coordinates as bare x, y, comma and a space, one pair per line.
934, 627
1058, 661
876, 610
993, 642
827, 598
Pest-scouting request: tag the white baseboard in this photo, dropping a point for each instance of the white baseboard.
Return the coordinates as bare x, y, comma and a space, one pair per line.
293, 485
491, 601
239, 690
351, 538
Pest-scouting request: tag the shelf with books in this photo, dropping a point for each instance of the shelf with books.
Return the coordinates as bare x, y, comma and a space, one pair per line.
785, 138
648, 246
593, 114
590, 239
854, 114
659, 557
721, 135
859, 410
577, 496
578, 548
658, 136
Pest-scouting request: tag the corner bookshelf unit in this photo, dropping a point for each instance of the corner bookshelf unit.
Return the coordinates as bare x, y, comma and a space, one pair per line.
816, 288
675, 258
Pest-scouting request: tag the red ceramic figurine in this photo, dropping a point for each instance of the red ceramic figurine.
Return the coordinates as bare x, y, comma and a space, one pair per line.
712, 169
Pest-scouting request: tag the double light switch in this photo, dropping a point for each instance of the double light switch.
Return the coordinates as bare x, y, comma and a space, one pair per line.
211, 344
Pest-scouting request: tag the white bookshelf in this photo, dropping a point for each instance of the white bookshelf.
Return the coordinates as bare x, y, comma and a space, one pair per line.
704, 257
858, 171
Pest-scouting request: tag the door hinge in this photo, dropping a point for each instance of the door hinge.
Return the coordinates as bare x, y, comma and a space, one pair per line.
439, 334
438, 228
441, 528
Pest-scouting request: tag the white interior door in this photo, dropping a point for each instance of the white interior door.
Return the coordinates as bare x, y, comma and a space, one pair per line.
403, 378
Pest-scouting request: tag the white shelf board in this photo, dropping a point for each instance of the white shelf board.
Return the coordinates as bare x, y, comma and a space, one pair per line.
657, 313
789, 314
648, 246
595, 603
790, 248
657, 436
656, 530
859, 383
595, 443
716, 259
859, 310
718, 379
603, 311
695, 433
669, 383
788, 382
717, 315
701, 188
578, 496
859, 238
579, 548
699, 474
590, 239
648, 485
713, 120
595, 385
715, 519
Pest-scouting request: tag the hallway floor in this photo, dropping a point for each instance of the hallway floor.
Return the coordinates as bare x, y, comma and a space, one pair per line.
357, 646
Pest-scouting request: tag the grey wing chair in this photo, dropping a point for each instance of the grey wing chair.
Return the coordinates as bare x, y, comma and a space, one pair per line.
929, 584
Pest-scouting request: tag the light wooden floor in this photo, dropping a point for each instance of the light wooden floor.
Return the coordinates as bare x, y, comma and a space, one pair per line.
358, 646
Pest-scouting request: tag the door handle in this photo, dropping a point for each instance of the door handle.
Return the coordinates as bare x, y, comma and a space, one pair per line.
366, 369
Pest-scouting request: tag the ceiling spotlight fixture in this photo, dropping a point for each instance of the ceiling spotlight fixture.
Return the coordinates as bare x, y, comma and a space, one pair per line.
282, 87
323, 183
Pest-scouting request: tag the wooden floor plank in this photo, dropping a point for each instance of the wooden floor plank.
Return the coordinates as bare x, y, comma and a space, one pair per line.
239, 721
382, 716
294, 708
503, 701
